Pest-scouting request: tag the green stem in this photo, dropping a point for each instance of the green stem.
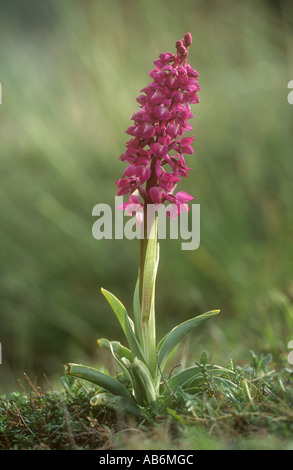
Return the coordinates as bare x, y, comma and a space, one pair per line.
143, 247
144, 241
148, 270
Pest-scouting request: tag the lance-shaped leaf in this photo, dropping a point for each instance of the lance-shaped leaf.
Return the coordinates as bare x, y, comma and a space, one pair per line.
135, 370
192, 376
98, 378
144, 389
179, 379
137, 313
118, 352
119, 310
172, 339
116, 347
226, 386
125, 322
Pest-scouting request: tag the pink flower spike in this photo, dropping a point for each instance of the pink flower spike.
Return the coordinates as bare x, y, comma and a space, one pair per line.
158, 129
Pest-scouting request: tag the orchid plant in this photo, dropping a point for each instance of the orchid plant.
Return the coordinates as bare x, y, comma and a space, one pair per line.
156, 143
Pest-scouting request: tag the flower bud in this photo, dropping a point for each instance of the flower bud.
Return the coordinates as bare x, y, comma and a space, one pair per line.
187, 39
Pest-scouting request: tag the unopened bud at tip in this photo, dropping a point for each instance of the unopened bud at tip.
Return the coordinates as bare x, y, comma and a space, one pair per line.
187, 39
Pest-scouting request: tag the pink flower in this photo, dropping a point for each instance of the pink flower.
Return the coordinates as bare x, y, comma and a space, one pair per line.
158, 128
179, 203
133, 207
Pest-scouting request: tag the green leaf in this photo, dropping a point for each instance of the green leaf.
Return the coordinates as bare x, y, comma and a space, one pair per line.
179, 379
143, 385
116, 347
118, 352
98, 378
119, 310
192, 376
137, 313
172, 339
125, 322
226, 386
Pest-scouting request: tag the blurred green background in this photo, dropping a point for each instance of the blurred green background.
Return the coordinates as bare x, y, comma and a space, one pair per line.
70, 74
